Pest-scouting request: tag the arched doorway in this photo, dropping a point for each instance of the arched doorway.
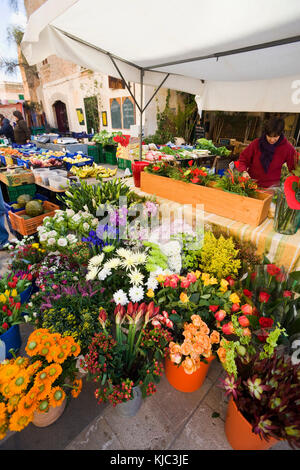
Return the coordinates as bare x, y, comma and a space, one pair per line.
61, 116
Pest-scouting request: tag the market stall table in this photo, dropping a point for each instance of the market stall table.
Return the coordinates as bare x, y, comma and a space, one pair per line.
282, 250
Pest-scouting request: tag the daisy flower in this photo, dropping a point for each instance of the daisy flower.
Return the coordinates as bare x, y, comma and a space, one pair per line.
112, 263
120, 297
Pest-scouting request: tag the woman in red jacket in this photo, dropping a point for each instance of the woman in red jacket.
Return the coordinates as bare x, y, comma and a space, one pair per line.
263, 159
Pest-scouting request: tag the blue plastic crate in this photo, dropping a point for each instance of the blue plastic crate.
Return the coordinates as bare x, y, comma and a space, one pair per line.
21, 162
79, 164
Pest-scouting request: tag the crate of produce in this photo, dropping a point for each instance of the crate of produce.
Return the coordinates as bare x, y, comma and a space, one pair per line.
37, 196
29, 226
15, 191
110, 157
17, 177
78, 164
96, 152
123, 164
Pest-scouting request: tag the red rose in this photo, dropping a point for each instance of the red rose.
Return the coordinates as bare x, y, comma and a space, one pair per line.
263, 336
5, 325
266, 322
273, 270
213, 308
230, 280
247, 293
235, 308
264, 297
243, 320
247, 309
287, 293
220, 315
228, 328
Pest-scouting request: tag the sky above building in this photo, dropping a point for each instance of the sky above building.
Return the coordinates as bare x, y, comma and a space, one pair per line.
10, 17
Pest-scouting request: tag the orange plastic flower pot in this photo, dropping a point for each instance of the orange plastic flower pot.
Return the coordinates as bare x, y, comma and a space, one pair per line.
184, 382
239, 431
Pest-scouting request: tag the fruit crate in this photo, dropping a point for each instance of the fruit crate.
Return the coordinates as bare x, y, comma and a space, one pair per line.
123, 164
110, 157
29, 227
96, 151
16, 179
15, 191
79, 164
39, 196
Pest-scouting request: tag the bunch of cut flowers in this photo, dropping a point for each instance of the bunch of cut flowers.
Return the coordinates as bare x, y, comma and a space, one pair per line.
33, 384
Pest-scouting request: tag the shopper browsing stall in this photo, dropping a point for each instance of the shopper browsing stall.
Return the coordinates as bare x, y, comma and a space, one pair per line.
21, 130
263, 159
6, 129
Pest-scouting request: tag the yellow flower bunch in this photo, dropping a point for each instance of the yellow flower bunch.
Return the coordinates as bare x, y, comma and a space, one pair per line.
30, 385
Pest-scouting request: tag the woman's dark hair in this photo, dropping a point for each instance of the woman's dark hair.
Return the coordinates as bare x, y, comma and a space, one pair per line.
274, 127
1, 116
18, 115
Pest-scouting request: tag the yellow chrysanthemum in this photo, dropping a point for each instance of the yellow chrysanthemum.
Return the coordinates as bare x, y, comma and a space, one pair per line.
18, 421
20, 381
78, 387
53, 371
56, 396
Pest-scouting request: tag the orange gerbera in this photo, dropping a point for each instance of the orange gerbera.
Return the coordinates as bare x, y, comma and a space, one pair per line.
75, 347
53, 371
13, 402
56, 396
33, 368
32, 347
43, 406
8, 372
26, 407
65, 345
3, 412
18, 421
43, 389
59, 354
20, 382
22, 362
78, 387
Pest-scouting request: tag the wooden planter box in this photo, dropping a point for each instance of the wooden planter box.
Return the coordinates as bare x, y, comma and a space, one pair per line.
232, 206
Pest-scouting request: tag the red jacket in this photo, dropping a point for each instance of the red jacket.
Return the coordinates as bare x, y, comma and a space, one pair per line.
249, 161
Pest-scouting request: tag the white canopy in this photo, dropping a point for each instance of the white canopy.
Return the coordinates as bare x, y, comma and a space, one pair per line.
246, 52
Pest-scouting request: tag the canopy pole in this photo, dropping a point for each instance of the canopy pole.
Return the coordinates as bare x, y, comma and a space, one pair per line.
141, 113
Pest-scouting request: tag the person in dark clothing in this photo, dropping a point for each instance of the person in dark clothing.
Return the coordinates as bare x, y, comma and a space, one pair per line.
6, 129
263, 159
21, 130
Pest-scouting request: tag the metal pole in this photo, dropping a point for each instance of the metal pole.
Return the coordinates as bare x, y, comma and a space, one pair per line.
141, 114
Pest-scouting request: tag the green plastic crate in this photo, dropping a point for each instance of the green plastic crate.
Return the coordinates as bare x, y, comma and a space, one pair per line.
15, 191
111, 158
96, 151
123, 164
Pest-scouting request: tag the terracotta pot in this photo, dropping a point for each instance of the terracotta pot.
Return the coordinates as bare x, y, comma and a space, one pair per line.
184, 382
239, 431
41, 420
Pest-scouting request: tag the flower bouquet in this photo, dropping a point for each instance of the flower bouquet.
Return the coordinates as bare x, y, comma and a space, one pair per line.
233, 182
11, 287
287, 212
34, 384
128, 352
266, 392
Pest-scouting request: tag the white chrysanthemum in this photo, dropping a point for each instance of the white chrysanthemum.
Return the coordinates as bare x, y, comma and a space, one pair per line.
103, 274
120, 297
171, 248
112, 263
96, 260
62, 242
124, 253
91, 275
136, 277
136, 293
51, 241
140, 258
152, 283
128, 262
